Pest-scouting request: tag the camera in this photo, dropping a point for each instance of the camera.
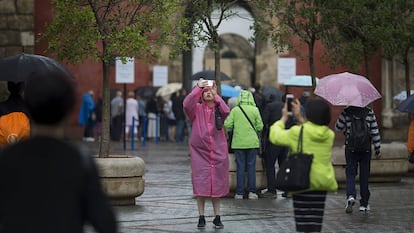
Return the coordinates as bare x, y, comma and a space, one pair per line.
210, 83
289, 99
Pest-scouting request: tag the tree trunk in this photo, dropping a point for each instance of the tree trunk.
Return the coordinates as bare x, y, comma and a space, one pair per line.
217, 70
312, 63
407, 80
106, 101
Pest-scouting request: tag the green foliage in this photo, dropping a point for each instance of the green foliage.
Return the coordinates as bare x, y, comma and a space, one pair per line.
104, 29
284, 20
101, 29
355, 29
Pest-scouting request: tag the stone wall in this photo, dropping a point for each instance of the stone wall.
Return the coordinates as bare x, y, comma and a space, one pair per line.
16, 27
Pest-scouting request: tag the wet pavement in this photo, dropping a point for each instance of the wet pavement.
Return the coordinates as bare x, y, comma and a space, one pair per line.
167, 204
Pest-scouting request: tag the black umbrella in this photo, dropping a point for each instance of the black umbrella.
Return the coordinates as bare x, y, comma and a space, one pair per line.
407, 105
276, 92
146, 91
210, 75
20, 67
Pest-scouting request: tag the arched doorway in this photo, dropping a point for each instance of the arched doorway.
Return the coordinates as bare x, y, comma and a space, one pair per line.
262, 56
237, 58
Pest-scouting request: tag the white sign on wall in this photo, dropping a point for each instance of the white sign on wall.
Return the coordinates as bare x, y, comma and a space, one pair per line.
125, 72
286, 68
160, 76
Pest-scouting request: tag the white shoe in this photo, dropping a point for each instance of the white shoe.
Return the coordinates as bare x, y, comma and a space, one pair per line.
350, 202
364, 209
238, 197
253, 196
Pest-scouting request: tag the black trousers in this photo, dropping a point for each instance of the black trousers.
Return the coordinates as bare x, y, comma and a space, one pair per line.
272, 154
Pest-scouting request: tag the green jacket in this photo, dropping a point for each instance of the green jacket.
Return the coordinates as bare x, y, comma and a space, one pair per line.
317, 140
244, 136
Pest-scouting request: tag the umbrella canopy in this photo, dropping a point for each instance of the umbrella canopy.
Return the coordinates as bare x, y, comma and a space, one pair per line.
276, 92
407, 105
209, 74
20, 67
402, 95
146, 91
169, 89
229, 91
347, 89
300, 81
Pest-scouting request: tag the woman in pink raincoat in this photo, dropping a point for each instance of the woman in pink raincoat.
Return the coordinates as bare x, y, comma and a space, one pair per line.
208, 148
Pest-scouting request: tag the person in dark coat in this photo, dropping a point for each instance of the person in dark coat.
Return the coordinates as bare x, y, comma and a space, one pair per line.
180, 117
14, 102
60, 183
272, 153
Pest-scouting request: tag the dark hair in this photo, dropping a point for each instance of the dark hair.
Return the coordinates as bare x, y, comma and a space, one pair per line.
49, 98
318, 111
15, 88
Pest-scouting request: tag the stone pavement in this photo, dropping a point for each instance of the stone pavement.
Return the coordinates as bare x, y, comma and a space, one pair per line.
167, 204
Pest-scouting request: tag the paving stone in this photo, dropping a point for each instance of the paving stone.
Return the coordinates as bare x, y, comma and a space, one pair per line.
168, 205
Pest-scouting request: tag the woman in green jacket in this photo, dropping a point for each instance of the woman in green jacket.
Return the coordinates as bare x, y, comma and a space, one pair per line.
318, 140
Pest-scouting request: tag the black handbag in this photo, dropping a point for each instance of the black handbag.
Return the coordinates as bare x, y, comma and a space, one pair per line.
218, 118
294, 173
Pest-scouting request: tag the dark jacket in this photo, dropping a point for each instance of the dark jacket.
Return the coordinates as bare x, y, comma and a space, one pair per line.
177, 107
49, 186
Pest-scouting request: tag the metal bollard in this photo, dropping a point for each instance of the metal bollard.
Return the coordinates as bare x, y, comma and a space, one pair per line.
157, 129
144, 130
133, 133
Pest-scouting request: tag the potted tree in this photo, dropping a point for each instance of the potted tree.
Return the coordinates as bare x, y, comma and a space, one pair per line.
100, 30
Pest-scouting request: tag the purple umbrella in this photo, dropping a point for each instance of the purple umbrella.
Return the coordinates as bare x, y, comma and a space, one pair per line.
347, 89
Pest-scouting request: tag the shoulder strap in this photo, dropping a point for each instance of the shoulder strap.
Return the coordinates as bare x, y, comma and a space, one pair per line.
251, 124
300, 143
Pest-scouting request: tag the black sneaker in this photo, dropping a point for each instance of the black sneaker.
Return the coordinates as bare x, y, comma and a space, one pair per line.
217, 222
201, 222
269, 194
286, 195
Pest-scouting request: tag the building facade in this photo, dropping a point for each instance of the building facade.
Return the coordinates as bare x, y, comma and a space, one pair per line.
23, 20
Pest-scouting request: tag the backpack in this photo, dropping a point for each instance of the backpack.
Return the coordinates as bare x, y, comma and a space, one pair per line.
14, 127
359, 137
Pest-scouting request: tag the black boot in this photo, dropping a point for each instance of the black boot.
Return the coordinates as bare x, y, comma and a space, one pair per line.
217, 222
201, 222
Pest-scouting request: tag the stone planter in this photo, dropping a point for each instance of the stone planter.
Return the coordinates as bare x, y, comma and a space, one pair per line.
122, 178
261, 182
391, 167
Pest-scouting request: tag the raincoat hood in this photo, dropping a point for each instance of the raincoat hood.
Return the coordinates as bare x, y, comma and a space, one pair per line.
246, 98
319, 133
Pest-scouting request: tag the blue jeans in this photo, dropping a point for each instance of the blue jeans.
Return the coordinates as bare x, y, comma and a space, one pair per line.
245, 157
179, 130
353, 159
271, 154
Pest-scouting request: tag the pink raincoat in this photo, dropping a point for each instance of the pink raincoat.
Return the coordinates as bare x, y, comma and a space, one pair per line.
208, 146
